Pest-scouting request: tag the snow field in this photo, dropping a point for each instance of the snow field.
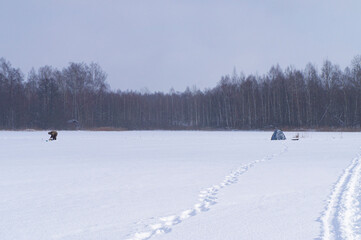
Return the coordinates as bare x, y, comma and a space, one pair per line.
179, 185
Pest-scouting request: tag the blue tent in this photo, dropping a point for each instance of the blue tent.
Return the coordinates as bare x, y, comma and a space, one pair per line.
278, 135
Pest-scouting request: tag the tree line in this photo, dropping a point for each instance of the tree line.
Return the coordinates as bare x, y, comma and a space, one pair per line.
79, 93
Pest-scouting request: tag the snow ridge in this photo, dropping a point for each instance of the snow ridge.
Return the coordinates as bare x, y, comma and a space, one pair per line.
341, 219
207, 198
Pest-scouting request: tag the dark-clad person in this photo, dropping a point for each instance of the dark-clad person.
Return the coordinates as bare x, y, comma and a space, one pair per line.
53, 135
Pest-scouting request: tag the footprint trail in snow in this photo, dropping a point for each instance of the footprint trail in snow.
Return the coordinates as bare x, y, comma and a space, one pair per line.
342, 217
207, 198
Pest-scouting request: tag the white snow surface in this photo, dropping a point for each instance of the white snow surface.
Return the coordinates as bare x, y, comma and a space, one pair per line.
179, 185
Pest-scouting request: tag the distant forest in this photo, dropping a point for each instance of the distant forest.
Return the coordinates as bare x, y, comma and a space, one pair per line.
79, 96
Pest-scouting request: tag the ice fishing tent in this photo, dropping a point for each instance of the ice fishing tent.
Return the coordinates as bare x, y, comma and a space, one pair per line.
278, 135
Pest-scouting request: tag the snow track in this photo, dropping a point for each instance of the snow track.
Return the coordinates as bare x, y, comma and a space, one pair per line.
206, 198
342, 217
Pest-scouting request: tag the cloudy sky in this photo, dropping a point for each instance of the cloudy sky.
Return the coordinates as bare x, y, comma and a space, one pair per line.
160, 44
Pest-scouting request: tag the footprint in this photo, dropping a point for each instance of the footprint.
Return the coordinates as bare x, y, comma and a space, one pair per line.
201, 207
170, 220
142, 236
163, 230
187, 214
156, 226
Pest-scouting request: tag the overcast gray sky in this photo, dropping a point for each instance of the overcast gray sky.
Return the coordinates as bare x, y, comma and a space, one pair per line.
160, 44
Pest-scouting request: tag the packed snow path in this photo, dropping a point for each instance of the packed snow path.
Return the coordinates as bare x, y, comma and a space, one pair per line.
207, 198
342, 217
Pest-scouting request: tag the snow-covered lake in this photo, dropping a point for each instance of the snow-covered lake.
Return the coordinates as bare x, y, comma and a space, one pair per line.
179, 185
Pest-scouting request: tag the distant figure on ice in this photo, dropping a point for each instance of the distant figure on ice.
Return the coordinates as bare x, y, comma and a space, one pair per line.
278, 135
296, 137
53, 135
